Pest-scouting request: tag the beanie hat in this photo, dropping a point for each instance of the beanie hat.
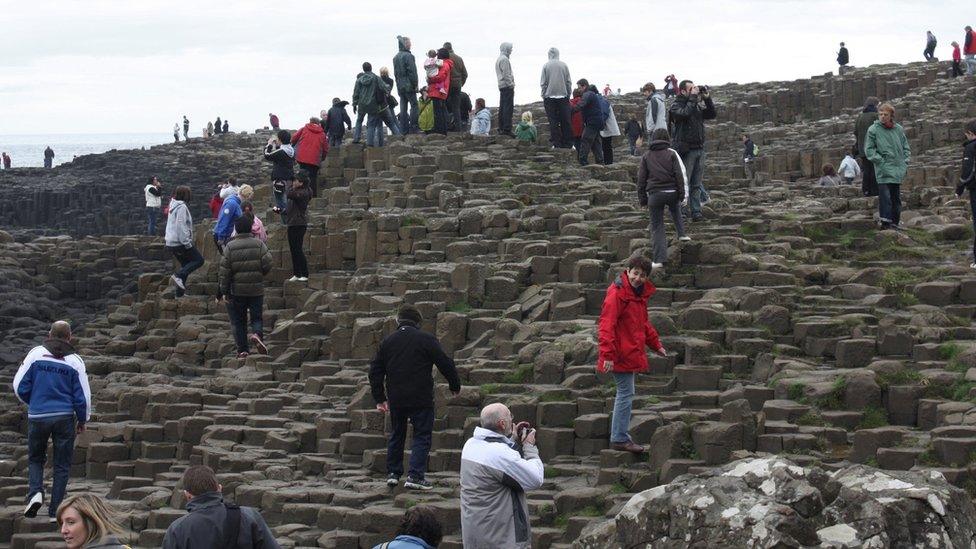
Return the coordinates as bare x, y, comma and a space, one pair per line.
410, 313
443, 54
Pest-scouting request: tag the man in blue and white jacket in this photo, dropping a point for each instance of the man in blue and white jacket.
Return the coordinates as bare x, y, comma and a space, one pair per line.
53, 384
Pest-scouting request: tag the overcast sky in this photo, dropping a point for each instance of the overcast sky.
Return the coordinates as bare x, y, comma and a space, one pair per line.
102, 66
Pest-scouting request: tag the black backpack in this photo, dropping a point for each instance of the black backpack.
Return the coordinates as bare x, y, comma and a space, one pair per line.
381, 96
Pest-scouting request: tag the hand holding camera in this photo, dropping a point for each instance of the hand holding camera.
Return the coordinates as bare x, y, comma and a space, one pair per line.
524, 433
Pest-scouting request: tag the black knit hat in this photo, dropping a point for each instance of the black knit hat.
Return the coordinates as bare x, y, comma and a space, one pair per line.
410, 314
443, 54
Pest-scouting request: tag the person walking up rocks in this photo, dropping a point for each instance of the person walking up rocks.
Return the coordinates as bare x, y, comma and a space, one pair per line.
624, 331
402, 384
634, 131
337, 122
662, 183
887, 148
405, 72
53, 383
868, 116
967, 177
499, 464
459, 76
506, 89
311, 148
281, 154
245, 262
749, 157
689, 115
179, 238
296, 218
556, 90
656, 113
273, 120
593, 122
154, 202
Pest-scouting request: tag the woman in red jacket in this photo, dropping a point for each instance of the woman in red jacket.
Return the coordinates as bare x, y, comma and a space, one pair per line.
437, 89
311, 148
624, 331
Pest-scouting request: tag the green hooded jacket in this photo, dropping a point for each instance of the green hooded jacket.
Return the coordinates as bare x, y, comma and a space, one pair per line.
425, 120
364, 94
526, 132
889, 152
405, 69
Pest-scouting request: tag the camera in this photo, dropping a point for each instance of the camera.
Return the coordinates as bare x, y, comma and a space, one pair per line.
703, 89
522, 429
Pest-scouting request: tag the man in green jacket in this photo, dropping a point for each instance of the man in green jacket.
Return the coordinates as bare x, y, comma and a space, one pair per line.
367, 98
405, 73
887, 148
245, 262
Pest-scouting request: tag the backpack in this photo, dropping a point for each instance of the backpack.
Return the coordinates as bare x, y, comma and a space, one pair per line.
604, 107
380, 94
755, 150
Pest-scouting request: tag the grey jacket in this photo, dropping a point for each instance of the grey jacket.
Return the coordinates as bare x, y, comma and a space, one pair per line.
494, 479
655, 105
108, 542
203, 526
242, 268
555, 77
179, 225
503, 67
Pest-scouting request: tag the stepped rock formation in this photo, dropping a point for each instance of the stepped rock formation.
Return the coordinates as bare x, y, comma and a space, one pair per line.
794, 327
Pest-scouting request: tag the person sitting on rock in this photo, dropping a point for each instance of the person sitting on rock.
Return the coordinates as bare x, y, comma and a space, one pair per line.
662, 182
499, 464
419, 529
848, 167
245, 262
402, 384
88, 522
481, 123
179, 238
886, 146
967, 176
828, 177
53, 383
425, 110
624, 331
210, 522
526, 130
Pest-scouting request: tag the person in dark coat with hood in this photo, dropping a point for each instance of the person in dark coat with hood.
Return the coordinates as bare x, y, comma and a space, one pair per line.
869, 184
459, 76
405, 73
843, 58
218, 126
337, 122
662, 183
593, 122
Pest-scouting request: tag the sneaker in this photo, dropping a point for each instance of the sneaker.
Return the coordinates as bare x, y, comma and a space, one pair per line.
259, 344
52, 520
415, 484
684, 238
293, 279
655, 266
179, 282
34, 504
241, 356
392, 479
303, 279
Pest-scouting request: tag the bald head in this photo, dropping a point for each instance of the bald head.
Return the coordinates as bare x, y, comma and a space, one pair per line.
497, 417
60, 330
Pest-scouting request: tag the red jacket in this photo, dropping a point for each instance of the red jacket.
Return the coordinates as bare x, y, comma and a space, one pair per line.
311, 144
576, 120
442, 80
955, 54
970, 46
625, 328
215, 203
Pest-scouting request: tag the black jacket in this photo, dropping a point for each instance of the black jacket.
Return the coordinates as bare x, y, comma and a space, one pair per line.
203, 526
967, 174
404, 362
296, 209
660, 170
283, 162
842, 57
749, 150
592, 113
633, 129
338, 120
688, 117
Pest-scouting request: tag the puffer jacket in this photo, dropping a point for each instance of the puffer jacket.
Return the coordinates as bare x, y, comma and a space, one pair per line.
555, 79
296, 209
624, 327
688, 116
888, 150
242, 268
311, 144
405, 69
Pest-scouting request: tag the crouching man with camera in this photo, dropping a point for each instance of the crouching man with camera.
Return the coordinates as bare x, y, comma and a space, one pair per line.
499, 463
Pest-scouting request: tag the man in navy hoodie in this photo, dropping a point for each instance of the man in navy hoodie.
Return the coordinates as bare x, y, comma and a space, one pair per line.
52, 382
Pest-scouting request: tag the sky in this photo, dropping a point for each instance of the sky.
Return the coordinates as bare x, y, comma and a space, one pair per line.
108, 66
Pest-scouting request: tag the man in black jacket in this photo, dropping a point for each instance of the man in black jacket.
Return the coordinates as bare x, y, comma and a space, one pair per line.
404, 362
688, 116
337, 122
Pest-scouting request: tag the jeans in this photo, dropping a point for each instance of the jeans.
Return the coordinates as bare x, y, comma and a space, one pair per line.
48, 162
296, 237
750, 166
391, 122
657, 201
280, 201
423, 423
970, 64
607, 144
694, 161
312, 171
408, 116
454, 109
238, 309
358, 133
152, 214
375, 131
632, 142
61, 431
620, 421
929, 52
590, 141
186, 133
189, 258
506, 109
889, 203
560, 125
869, 184
440, 116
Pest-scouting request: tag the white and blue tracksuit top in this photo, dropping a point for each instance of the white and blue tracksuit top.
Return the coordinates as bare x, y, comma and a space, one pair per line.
52, 383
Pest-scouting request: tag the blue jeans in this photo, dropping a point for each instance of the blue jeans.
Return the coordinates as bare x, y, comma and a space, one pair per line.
357, 134
238, 308
889, 203
408, 113
189, 258
423, 423
280, 200
970, 64
62, 432
152, 214
620, 422
694, 161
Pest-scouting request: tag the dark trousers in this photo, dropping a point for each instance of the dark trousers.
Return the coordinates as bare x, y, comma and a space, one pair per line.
408, 116
869, 185
929, 52
607, 144
560, 125
422, 420
956, 68
61, 431
312, 171
454, 109
506, 109
590, 141
49, 162
632, 142
189, 258
972, 207
335, 141
238, 309
889, 203
296, 237
440, 116
656, 202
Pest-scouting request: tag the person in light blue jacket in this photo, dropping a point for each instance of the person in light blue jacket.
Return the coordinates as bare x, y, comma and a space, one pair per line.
481, 123
419, 529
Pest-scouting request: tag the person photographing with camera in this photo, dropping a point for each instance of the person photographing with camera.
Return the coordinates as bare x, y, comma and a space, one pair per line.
295, 215
281, 154
690, 109
499, 463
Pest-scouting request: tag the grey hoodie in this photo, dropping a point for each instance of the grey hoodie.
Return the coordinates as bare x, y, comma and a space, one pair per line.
555, 77
179, 225
503, 67
652, 122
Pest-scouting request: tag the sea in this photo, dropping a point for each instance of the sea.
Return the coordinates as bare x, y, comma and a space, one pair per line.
28, 150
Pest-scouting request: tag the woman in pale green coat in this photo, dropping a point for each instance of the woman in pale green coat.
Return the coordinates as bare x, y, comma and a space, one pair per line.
887, 148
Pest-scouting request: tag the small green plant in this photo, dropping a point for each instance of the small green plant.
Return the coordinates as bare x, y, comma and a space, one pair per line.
949, 350
907, 299
871, 462
811, 418
688, 450
552, 472
901, 377
520, 375
410, 503
834, 400
619, 488
489, 388
554, 396
411, 221
648, 401
460, 307
795, 391
592, 511
873, 417
560, 522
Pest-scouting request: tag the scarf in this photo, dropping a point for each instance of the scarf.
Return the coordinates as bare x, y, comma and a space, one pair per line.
889, 124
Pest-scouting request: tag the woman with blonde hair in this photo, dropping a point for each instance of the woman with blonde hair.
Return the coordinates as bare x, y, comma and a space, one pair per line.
87, 522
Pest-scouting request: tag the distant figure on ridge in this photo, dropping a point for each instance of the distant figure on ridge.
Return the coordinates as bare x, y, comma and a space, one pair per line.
607, 90
843, 57
670, 89
226, 128
218, 126
930, 43
6, 161
273, 120
886, 146
405, 72
956, 60
186, 128
556, 90
969, 50
506, 88
210, 130
311, 148
481, 123
176, 132
48, 157
967, 177
459, 76
337, 121
154, 201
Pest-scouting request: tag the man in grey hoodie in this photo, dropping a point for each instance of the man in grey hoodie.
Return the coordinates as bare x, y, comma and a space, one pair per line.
656, 116
179, 238
556, 89
506, 89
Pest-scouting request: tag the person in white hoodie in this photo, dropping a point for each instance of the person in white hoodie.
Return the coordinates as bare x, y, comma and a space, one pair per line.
154, 199
179, 238
656, 116
506, 89
848, 167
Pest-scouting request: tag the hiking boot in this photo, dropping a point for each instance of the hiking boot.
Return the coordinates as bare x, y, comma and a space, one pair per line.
628, 446
258, 343
179, 282
415, 484
34, 504
392, 480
